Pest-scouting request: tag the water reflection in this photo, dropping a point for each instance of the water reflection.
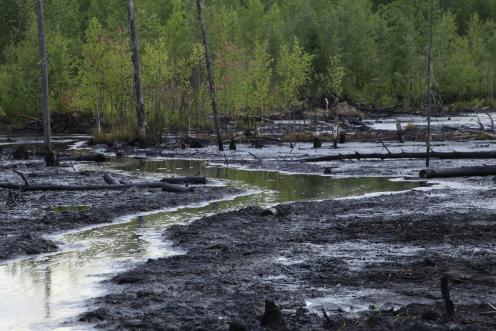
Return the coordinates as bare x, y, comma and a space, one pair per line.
289, 187
46, 291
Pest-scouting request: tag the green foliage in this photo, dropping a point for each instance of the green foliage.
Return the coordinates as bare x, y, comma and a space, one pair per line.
293, 68
14, 21
267, 56
261, 78
61, 68
336, 75
105, 78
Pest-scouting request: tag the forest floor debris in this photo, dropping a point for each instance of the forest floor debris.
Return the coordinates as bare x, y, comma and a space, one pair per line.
26, 216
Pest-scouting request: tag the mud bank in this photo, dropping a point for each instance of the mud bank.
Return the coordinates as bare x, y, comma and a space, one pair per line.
372, 264
26, 216
283, 158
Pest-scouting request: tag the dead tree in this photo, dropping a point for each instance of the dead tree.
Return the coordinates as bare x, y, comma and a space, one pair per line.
481, 125
399, 132
336, 123
492, 121
50, 157
140, 108
52, 187
210, 74
403, 155
185, 180
445, 292
429, 82
485, 170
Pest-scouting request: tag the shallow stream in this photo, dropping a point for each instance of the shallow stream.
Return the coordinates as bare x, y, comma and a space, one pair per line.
49, 291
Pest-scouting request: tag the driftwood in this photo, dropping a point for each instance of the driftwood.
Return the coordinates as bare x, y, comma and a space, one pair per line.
458, 172
109, 179
404, 155
49, 187
399, 132
86, 158
445, 292
185, 180
279, 210
26, 182
492, 121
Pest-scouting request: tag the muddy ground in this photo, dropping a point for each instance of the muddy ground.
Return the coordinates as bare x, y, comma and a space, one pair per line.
372, 264
26, 216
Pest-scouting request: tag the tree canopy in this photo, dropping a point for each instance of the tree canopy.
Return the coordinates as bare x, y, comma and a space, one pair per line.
268, 56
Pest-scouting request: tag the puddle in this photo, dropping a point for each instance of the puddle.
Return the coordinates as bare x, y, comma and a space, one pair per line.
46, 291
286, 187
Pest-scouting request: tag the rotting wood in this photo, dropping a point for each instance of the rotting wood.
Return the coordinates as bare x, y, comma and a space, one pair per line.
48, 187
26, 182
458, 172
86, 158
450, 308
403, 155
109, 179
140, 108
50, 156
399, 132
256, 157
384, 145
492, 121
185, 180
210, 74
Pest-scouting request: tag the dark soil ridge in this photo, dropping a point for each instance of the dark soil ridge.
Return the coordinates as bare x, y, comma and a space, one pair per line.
27, 216
238, 263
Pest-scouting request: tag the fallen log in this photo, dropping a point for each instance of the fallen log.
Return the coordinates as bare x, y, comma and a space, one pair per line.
49, 187
458, 172
445, 292
185, 180
404, 155
112, 181
109, 179
86, 158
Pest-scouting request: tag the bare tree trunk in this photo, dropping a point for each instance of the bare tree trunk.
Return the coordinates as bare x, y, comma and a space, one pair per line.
404, 155
140, 108
399, 132
492, 121
485, 170
50, 158
336, 123
210, 75
429, 82
491, 88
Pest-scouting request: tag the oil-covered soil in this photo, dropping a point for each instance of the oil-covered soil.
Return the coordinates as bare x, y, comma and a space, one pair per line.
372, 263
26, 216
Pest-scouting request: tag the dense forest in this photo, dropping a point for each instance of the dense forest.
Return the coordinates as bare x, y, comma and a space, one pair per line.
269, 56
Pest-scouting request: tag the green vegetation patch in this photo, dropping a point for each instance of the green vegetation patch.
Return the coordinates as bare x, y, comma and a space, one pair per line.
63, 209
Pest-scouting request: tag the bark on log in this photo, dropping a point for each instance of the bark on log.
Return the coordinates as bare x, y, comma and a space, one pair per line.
109, 179
185, 180
50, 157
86, 158
140, 108
399, 132
445, 291
47, 187
458, 172
210, 74
382, 156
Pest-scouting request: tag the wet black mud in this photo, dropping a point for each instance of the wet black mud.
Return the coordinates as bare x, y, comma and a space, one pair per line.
26, 216
373, 263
